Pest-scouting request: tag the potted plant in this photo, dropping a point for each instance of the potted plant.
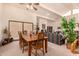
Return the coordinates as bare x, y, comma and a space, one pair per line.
5, 30
68, 29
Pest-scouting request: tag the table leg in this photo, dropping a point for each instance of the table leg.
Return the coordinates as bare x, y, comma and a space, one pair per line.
46, 45
29, 48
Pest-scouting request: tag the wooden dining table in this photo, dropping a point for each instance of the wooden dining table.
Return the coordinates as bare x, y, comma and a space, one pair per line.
30, 39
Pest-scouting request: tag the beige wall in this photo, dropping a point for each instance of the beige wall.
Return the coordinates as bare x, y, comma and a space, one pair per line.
0, 20
76, 20
8, 12
14, 13
76, 17
56, 24
42, 21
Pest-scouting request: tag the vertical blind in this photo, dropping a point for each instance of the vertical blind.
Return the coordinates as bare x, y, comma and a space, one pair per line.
15, 26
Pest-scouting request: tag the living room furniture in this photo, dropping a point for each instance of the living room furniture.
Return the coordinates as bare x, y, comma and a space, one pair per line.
7, 40
39, 43
32, 39
6, 37
56, 38
22, 42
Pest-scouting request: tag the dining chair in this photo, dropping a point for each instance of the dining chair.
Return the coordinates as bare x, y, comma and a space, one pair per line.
22, 43
39, 43
25, 32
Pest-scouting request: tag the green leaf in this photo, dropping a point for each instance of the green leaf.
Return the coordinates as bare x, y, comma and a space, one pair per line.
68, 28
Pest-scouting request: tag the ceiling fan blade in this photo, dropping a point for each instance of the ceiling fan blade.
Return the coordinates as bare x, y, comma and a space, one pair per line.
34, 8
36, 3
22, 3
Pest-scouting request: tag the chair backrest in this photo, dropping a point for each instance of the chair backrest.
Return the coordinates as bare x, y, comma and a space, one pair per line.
40, 39
20, 36
25, 32
40, 36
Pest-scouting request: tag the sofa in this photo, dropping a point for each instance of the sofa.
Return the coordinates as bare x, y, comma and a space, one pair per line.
56, 38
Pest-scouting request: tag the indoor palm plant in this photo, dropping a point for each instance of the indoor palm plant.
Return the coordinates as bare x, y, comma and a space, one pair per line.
68, 29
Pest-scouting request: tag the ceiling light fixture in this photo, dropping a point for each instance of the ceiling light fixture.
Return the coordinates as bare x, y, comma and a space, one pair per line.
30, 6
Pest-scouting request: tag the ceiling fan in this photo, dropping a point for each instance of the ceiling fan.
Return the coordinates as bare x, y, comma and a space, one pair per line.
30, 5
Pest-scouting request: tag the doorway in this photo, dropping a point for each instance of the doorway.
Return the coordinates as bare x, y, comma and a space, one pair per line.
15, 26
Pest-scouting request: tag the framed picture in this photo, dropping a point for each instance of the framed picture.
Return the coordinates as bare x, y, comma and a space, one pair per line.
43, 26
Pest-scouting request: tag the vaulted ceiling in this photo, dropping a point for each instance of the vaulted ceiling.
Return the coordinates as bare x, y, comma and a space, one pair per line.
60, 8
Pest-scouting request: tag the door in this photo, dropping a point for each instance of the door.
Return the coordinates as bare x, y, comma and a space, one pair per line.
14, 28
28, 27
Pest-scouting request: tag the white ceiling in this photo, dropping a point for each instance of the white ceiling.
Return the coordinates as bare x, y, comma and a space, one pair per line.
40, 12
60, 8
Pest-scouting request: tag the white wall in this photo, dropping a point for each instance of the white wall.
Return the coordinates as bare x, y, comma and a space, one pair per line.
42, 21
0, 21
76, 17
8, 12
50, 23
76, 20
56, 24
14, 13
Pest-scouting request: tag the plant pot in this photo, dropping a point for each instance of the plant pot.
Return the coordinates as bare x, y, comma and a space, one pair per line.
73, 46
72, 49
68, 45
78, 42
